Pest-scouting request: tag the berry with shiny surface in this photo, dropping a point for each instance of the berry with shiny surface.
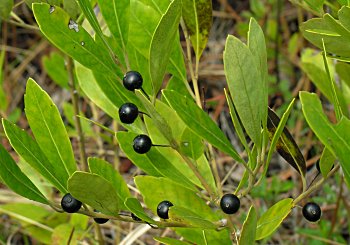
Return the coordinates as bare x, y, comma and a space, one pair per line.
128, 113
312, 211
230, 203
163, 209
142, 144
70, 204
132, 80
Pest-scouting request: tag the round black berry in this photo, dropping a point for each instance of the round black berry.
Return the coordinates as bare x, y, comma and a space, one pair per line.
70, 204
163, 209
142, 144
132, 80
128, 113
134, 217
100, 220
312, 211
230, 203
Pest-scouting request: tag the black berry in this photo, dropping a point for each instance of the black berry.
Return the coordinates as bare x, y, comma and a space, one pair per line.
230, 203
312, 211
100, 220
142, 144
70, 204
163, 209
128, 113
134, 217
132, 80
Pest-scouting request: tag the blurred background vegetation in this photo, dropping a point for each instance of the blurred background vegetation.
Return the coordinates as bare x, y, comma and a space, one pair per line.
293, 66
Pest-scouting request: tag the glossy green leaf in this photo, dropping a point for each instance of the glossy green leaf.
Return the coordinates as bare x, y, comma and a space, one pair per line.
257, 46
186, 216
162, 42
249, 228
197, 15
16, 180
30, 151
68, 111
48, 128
6, 8
73, 40
245, 85
107, 171
334, 33
203, 126
272, 218
134, 206
335, 137
170, 241
116, 14
152, 161
191, 145
283, 141
56, 69
95, 191
155, 190
326, 162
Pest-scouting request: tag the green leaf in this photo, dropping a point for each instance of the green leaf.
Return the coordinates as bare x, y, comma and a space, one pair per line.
162, 41
6, 8
170, 241
282, 139
158, 119
191, 145
71, 7
203, 125
334, 33
107, 171
257, 46
16, 180
3, 97
314, 67
272, 218
73, 40
155, 190
316, 5
335, 138
326, 162
95, 191
205, 237
343, 70
134, 206
66, 234
249, 228
30, 151
48, 128
186, 216
91, 88
56, 69
116, 14
197, 15
153, 161
245, 85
